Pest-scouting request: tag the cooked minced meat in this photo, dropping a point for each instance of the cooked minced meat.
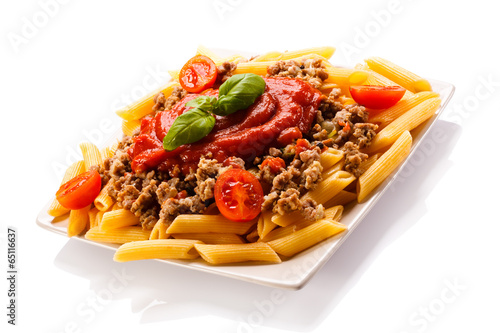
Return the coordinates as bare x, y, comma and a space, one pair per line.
162, 103
173, 207
310, 70
302, 174
225, 71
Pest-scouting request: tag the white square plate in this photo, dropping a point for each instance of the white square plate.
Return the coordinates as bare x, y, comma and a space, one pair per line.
295, 272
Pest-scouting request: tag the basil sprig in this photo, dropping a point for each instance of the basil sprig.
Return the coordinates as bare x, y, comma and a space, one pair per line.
237, 93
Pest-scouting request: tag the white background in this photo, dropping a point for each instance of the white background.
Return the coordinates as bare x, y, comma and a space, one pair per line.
424, 260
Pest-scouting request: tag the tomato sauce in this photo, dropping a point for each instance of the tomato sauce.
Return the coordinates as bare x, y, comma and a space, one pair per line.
287, 106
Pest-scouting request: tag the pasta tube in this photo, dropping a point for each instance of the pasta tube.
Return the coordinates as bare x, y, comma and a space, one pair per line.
306, 237
401, 76
157, 249
231, 253
383, 167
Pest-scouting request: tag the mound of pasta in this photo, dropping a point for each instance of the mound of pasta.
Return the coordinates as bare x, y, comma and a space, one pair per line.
237, 159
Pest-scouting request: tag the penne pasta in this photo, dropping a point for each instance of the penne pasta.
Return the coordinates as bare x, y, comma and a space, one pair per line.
211, 238
103, 201
117, 236
305, 238
401, 76
267, 224
330, 187
368, 163
330, 157
202, 50
269, 56
384, 166
157, 249
192, 223
346, 76
78, 221
93, 217
119, 218
91, 155
389, 115
343, 198
406, 122
129, 127
159, 231
231, 253
324, 52
334, 213
144, 106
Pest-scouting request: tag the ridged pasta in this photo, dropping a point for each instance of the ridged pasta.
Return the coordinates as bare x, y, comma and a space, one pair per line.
117, 219
91, 155
401, 76
191, 223
78, 221
383, 167
157, 249
117, 236
406, 122
304, 238
231, 253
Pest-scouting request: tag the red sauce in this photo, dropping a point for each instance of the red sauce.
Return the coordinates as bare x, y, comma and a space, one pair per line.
286, 104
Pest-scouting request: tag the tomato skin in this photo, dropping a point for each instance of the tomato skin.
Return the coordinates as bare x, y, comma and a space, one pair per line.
302, 145
377, 97
80, 191
238, 195
198, 74
275, 164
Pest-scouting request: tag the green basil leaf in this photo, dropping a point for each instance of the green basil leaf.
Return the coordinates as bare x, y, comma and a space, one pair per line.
189, 127
205, 103
239, 92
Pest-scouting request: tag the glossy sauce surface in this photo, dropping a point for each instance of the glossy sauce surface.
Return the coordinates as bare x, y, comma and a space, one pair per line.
286, 104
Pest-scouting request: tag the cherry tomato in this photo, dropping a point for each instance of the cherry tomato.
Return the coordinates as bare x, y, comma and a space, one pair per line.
80, 191
377, 97
238, 195
198, 74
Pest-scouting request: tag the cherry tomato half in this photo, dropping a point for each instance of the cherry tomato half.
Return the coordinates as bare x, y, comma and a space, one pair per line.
238, 195
198, 74
80, 191
377, 97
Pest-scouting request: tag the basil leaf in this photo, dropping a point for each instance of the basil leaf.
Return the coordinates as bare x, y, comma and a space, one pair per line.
189, 127
239, 92
205, 103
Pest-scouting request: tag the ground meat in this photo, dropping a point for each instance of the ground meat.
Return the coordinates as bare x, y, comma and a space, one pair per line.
353, 158
363, 134
127, 195
206, 174
310, 70
303, 173
225, 71
149, 218
146, 200
163, 103
289, 201
166, 190
173, 207
312, 211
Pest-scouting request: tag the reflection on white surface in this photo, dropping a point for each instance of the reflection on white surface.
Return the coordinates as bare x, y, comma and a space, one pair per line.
162, 293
